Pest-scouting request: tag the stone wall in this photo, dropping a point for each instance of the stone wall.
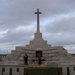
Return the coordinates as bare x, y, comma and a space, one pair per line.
21, 71
68, 70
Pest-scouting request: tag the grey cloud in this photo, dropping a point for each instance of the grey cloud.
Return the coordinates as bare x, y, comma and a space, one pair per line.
18, 35
61, 31
17, 13
63, 25
2, 52
70, 48
21, 12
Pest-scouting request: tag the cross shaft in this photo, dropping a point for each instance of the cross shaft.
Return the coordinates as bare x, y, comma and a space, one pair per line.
38, 30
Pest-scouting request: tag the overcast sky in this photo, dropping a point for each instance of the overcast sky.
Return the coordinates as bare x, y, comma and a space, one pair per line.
18, 23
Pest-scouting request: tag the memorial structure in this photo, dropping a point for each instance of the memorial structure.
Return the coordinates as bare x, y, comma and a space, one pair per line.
39, 53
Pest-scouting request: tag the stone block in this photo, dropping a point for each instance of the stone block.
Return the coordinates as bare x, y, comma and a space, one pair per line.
64, 70
0, 70
21, 70
6, 71
74, 73
71, 70
14, 71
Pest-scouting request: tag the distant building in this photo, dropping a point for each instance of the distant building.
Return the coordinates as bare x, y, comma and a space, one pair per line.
73, 55
2, 56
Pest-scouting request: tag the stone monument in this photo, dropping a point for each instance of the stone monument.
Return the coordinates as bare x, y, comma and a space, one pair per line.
50, 56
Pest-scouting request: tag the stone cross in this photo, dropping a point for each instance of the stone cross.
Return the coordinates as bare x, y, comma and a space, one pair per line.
38, 19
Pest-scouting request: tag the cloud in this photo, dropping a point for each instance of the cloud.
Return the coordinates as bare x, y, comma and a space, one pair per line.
61, 31
62, 24
21, 12
18, 20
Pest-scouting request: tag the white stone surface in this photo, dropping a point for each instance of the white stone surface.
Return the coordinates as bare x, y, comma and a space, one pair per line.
6, 71
64, 70
0, 70
21, 71
72, 72
14, 71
